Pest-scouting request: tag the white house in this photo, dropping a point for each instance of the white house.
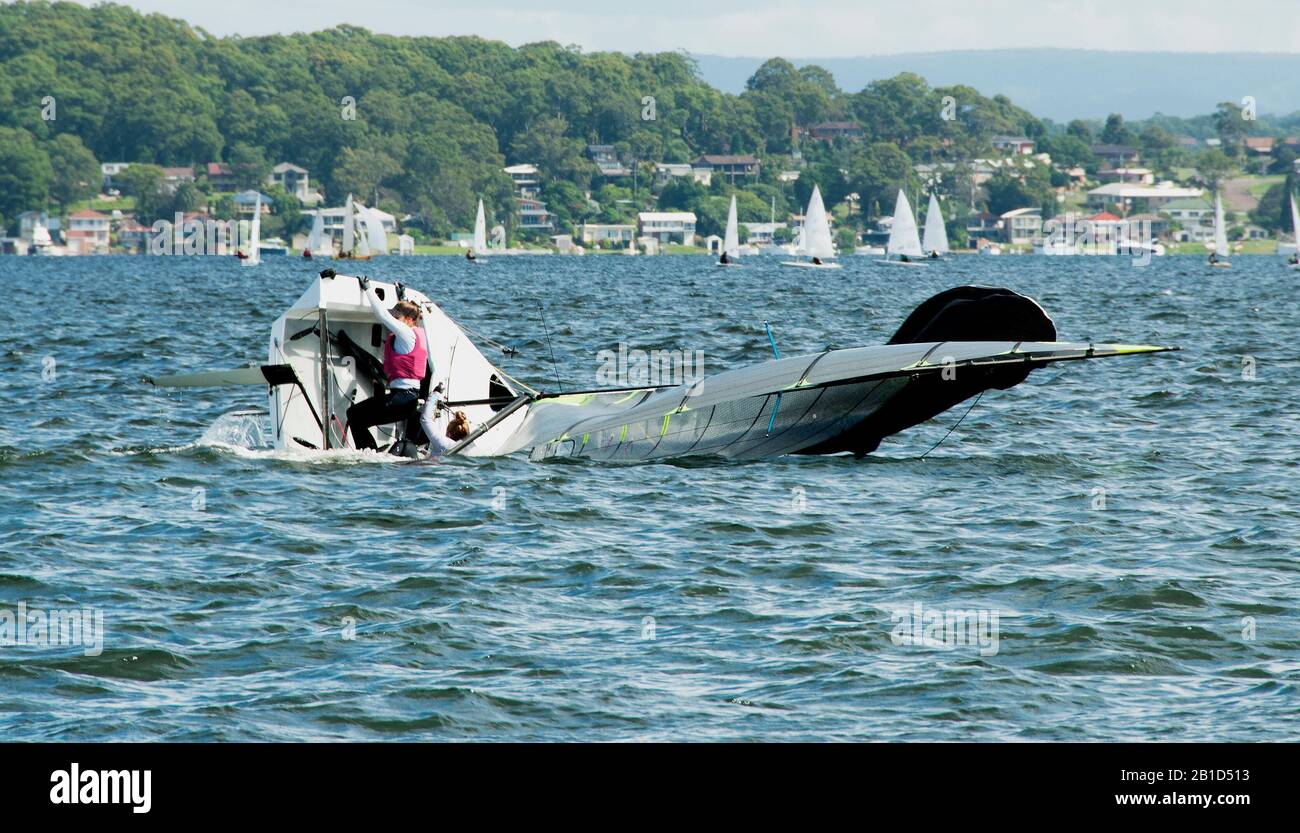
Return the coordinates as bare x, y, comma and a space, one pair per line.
606, 233
110, 170
88, 232
1130, 195
332, 219
526, 178
760, 234
666, 225
1022, 225
294, 180
28, 220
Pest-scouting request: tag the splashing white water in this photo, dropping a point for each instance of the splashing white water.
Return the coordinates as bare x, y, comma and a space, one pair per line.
247, 434
239, 429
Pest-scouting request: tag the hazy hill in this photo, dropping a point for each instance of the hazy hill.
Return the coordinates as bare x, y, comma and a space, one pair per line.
1063, 84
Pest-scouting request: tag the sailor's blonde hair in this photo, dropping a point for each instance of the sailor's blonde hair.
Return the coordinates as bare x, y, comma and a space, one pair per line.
458, 428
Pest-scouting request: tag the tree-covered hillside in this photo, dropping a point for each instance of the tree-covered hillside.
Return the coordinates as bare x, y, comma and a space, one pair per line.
428, 123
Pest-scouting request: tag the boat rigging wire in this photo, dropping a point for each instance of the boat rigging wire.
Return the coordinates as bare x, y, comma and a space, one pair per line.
954, 427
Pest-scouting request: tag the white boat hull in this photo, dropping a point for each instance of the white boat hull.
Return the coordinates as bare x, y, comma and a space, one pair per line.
901, 263
803, 264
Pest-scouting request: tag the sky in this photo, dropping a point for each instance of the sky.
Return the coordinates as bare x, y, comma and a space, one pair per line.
764, 28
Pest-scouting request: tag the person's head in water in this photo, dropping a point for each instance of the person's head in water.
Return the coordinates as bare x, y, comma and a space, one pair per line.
458, 428
406, 311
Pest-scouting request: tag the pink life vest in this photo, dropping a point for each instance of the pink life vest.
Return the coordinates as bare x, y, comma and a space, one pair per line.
412, 365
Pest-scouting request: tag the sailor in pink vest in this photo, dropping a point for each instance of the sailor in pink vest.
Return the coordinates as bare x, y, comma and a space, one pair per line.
406, 361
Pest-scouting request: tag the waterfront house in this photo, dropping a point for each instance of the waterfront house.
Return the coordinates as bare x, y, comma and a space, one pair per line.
762, 234
1022, 225
1115, 156
668, 226
526, 178
294, 180
1018, 145
132, 236
729, 165
984, 225
110, 170
28, 220
606, 161
1195, 215
618, 234
88, 233
174, 177
1138, 197
533, 215
246, 202
220, 176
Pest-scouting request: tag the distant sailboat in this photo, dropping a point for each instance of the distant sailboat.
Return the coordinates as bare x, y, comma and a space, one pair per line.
316, 240
254, 256
904, 244
1219, 257
479, 247
815, 239
355, 246
731, 240
376, 236
935, 244
1294, 260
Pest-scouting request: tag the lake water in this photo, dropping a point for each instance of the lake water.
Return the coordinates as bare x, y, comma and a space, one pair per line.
1132, 523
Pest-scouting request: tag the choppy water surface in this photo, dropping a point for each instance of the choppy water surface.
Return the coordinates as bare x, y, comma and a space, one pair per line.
1132, 522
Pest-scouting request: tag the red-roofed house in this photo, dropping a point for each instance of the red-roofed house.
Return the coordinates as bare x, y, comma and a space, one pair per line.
220, 176
1260, 144
87, 233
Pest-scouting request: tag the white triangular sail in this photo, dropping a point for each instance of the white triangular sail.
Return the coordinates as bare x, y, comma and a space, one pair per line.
1295, 222
817, 229
377, 237
316, 238
936, 234
903, 239
349, 232
255, 235
480, 231
1220, 235
731, 241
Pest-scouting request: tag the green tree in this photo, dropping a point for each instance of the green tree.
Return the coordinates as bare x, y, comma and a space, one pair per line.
1214, 167
25, 172
877, 172
249, 166
1116, 132
76, 173
147, 185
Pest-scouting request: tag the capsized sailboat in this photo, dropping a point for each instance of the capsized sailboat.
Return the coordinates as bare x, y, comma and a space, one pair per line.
325, 355
935, 242
1219, 257
731, 239
904, 247
815, 239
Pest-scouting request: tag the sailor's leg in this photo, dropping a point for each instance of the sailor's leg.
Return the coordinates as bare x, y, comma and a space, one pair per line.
395, 406
364, 414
